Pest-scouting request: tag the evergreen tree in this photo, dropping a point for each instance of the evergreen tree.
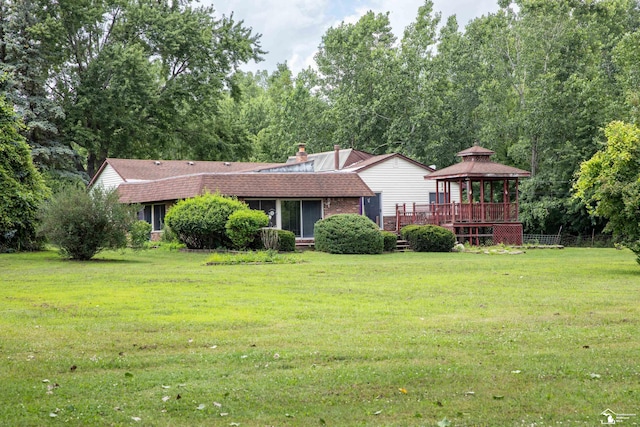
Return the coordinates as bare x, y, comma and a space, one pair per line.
23, 188
25, 63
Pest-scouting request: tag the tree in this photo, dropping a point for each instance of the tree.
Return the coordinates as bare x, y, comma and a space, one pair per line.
24, 60
609, 184
626, 57
142, 78
439, 93
83, 222
23, 188
355, 62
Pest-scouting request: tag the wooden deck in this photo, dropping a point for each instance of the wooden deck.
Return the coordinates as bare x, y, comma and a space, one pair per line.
456, 213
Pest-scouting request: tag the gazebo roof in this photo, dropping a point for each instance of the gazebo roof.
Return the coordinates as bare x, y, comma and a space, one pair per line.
476, 164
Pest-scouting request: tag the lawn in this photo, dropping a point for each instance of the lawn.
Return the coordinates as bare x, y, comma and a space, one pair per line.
547, 337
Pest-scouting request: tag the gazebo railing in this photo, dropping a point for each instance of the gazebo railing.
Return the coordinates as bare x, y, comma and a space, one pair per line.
451, 213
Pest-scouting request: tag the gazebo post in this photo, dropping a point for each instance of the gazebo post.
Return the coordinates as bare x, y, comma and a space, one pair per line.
517, 198
469, 199
505, 198
482, 215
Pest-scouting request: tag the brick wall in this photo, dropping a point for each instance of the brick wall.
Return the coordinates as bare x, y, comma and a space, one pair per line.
389, 223
346, 205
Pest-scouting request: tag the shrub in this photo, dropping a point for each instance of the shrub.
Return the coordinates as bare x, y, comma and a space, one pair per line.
82, 222
243, 227
168, 235
278, 240
200, 222
408, 230
429, 238
269, 238
140, 234
390, 241
286, 241
348, 234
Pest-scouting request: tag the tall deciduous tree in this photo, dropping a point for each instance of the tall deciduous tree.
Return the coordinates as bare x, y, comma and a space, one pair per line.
355, 62
609, 183
142, 78
281, 111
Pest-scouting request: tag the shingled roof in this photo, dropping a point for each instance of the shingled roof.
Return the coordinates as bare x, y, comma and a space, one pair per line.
476, 163
246, 185
148, 170
372, 161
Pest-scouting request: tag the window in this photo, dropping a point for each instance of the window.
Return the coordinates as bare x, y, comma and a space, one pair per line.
300, 216
158, 217
154, 215
267, 206
432, 197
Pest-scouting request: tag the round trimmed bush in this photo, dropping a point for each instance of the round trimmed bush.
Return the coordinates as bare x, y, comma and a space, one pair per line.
348, 234
286, 241
429, 238
408, 230
200, 222
390, 241
243, 227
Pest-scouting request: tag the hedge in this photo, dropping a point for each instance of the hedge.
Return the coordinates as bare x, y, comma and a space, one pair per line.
348, 234
428, 238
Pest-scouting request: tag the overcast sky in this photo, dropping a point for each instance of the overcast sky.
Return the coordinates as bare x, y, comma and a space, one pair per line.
292, 29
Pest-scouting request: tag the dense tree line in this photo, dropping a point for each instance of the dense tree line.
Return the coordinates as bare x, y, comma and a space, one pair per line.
537, 82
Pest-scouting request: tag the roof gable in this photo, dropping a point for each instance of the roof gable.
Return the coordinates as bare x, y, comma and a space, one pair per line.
376, 160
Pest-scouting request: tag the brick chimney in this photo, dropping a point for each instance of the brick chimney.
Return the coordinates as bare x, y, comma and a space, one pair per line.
301, 155
336, 157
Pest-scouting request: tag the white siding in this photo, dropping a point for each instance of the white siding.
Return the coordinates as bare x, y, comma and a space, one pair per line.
108, 178
400, 182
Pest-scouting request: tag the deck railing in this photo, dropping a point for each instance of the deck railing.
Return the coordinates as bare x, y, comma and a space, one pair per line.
451, 213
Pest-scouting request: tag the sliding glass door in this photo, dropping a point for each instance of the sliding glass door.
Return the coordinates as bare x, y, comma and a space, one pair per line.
299, 216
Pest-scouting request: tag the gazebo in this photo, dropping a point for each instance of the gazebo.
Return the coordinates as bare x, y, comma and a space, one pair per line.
488, 206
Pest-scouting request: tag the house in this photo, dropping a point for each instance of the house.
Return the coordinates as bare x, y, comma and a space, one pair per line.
394, 178
295, 194
295, 199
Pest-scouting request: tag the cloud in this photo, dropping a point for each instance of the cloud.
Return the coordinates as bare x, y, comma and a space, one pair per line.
292, 30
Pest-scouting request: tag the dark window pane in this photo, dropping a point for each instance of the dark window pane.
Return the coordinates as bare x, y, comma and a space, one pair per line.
432, 197
311, 213
266, 206
147, 214
158, 217
291, 216
269, 207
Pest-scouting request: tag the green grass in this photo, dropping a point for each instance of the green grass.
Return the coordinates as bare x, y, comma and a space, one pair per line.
252, 257
542, 338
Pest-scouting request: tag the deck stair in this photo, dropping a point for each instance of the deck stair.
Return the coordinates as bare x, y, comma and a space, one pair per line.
402, 246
